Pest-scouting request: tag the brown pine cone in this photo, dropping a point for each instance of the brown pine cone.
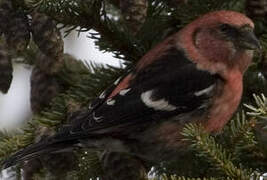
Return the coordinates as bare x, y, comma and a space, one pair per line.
47, 36
175, 3
44, 88
15, 26
118, 164
18, 33
6, 68
134, 13
256, 8
5, 9
49, 65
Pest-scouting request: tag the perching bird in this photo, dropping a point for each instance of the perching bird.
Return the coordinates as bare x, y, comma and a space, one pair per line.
195, 75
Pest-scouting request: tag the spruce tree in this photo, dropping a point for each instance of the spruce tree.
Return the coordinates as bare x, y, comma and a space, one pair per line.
62, 86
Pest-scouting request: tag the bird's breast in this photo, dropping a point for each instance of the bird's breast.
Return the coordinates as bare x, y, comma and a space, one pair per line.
225, 101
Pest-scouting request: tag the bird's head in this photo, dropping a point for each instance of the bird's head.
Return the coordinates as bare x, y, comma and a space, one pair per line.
225, 38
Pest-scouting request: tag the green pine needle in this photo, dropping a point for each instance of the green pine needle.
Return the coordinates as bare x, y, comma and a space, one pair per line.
206, 146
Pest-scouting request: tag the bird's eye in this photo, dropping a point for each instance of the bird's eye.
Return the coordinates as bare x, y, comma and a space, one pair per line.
225, 28
228, 30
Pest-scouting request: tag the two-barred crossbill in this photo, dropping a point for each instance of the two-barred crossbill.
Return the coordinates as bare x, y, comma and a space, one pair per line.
195, 75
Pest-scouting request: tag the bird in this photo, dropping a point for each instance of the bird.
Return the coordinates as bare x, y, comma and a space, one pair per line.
193, 76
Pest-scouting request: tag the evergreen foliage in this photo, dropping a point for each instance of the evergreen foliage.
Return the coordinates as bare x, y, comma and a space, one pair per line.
239, 152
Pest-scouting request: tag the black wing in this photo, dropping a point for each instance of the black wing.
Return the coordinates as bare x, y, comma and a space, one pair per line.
169, 86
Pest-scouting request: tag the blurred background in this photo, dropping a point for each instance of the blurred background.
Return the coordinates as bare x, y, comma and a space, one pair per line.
15, 105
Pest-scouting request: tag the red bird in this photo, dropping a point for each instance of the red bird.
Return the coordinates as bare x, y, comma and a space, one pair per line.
195, 75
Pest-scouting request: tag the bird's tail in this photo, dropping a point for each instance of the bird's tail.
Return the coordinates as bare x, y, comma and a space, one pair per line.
36, 150
63, 141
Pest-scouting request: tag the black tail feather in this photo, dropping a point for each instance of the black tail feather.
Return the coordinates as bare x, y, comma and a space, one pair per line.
37, 150
64, 139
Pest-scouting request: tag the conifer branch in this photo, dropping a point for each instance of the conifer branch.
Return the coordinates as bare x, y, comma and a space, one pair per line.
81, 85
199, 7
239, 139
260, 110
112, 35
205, 145
164, 177
240, 132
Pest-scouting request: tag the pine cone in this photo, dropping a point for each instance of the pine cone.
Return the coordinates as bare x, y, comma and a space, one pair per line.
175, 3
115, 2
117, 164
52, 162
47, 64
6, 68
134, 12
14, 23
47, 36
30, 168
5, 9
44, 87
17, 33
59, 164
256, 8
